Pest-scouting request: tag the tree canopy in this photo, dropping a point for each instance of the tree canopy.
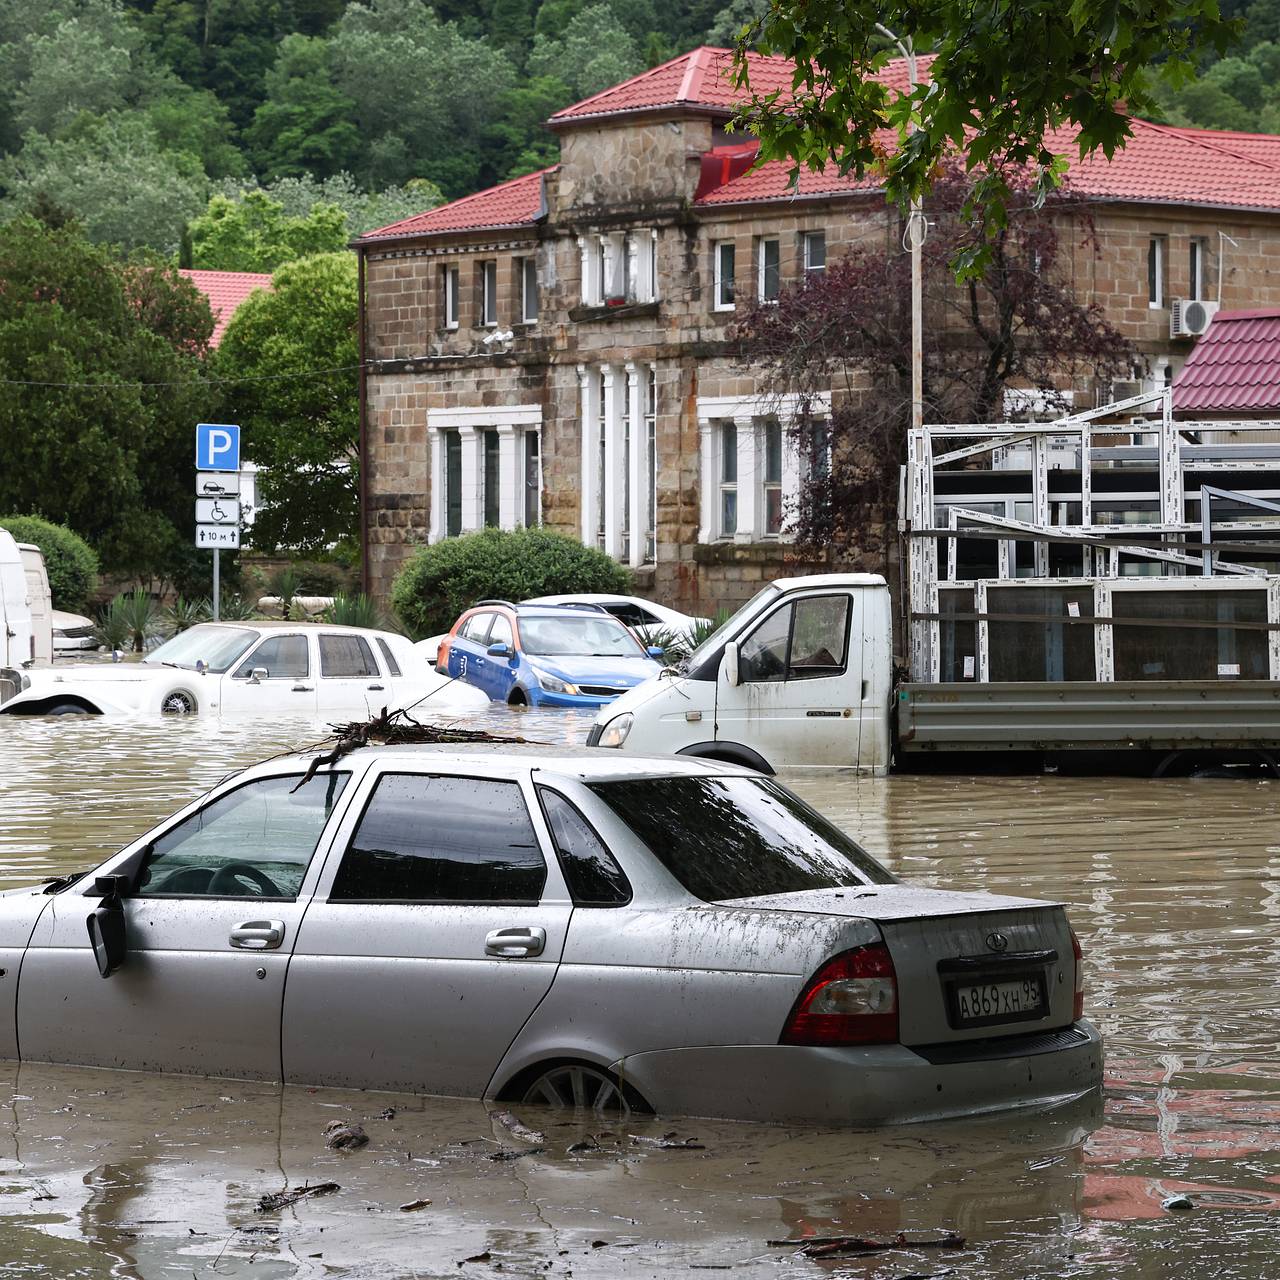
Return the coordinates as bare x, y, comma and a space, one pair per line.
1002, 78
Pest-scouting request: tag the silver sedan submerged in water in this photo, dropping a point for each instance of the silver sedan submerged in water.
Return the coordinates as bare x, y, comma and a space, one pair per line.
559, 927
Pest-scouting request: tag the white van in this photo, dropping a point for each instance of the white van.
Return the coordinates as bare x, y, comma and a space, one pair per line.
17, 636
39, 599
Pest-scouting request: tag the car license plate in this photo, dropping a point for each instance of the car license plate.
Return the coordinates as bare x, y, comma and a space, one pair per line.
980, 1000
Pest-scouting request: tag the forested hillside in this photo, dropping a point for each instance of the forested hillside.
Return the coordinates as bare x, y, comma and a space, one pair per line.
129, 115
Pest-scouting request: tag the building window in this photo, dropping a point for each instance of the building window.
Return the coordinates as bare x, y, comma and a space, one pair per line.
615, 267
528, 290
489, 293
452, 483
532, 479
1155, 272
1196, 274
449, 291
651, 465
725, 258
492, 480
814, 244
619, 267
769, 270
728, 479
772, 476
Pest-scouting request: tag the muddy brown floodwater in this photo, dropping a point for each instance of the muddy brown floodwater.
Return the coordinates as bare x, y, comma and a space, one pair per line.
1174, 888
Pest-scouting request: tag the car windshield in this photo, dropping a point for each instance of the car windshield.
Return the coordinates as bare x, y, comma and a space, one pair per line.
716, 638
598, 636
725, 838
217, 647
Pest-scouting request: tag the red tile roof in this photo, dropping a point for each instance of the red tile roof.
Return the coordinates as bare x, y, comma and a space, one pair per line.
226, 290
516, 203
702, 79
1234, 368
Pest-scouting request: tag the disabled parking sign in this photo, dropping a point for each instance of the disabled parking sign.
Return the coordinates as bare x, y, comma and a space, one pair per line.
217, 447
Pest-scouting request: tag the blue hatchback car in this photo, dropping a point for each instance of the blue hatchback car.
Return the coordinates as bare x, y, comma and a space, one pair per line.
544, 655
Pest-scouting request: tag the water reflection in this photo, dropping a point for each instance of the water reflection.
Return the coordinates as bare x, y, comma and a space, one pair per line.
1173, 886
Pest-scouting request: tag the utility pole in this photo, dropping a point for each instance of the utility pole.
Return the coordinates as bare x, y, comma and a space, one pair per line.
916, 230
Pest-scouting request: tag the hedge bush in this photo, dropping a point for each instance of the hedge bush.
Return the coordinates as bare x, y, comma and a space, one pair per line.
72, 564
442, 580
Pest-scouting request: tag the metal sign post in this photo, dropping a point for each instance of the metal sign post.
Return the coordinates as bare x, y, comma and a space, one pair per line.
217, 495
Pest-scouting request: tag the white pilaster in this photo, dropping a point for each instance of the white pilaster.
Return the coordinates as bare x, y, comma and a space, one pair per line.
750, 516
638, 472
613, 462
510, 488
790, 473
708, 482
437, 529
472, 478
588, 418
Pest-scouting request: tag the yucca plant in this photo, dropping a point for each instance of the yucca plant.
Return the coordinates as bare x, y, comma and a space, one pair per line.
184, 613
354, 611
235, 608
673, 643
285, 584
139, 612
111, 630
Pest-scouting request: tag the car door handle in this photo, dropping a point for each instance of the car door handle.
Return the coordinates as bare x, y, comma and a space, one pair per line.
515, 942
300, 688
378, 687
258, 935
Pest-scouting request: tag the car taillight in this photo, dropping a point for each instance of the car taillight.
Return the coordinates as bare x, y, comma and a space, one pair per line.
852, 999
1077, 1007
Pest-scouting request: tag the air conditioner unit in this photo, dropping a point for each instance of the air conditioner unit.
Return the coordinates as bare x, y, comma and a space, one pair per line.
1189, 317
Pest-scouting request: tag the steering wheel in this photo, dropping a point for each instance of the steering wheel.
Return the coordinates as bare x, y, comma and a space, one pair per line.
226, 881
184, 880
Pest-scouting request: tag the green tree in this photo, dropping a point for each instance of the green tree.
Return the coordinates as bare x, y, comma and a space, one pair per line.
291, 355
104, 361
70, 562
304, 126
190, 121
442, 580
1003, 77
424, 94
728, 23
364, 209
594, 51
114, 177
253, 233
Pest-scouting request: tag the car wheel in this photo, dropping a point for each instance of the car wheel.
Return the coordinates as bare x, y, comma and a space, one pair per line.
66, 709
579, 1087
179, 703
516, 698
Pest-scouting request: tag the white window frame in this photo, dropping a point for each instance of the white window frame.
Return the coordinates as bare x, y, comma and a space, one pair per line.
760, 269
1196, 254
1157, 251
726, 430
449, 284
720, 280
488, 297
529, 290
768, 486
808, 239
614, 266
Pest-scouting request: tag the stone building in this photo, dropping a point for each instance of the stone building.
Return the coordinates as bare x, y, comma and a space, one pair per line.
554, 349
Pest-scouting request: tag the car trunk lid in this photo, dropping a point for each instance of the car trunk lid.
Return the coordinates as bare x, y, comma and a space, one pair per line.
968, 965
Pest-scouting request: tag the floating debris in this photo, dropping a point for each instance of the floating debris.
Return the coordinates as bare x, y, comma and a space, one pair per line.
830, 1246
518, 1127
282, 1199
344, 1137
414, 1205
387, 1113
668, 1142
1178, 1202
509, 1153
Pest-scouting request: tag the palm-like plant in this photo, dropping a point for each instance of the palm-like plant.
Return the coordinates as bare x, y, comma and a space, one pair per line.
184, 613
140, 615
355, 611
235, 608
111, 630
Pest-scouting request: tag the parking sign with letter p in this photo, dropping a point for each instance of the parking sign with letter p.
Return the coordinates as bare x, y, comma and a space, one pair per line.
217, 447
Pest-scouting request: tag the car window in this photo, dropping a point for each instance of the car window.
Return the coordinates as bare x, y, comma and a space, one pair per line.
726, 838
600, 636
216, 646
439, 839
388, 657
253, 842
477, 628
346, 656
283, 657
803, 641
593, 876
500, 632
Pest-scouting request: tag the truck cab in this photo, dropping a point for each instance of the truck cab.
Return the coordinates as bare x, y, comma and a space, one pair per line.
800, 676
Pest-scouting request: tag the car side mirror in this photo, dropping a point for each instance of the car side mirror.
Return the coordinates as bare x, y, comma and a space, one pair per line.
731, 664
106, 924
655, 651
258, 675
499, 650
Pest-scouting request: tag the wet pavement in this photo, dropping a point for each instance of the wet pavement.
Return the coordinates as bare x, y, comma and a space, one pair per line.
1174, 888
